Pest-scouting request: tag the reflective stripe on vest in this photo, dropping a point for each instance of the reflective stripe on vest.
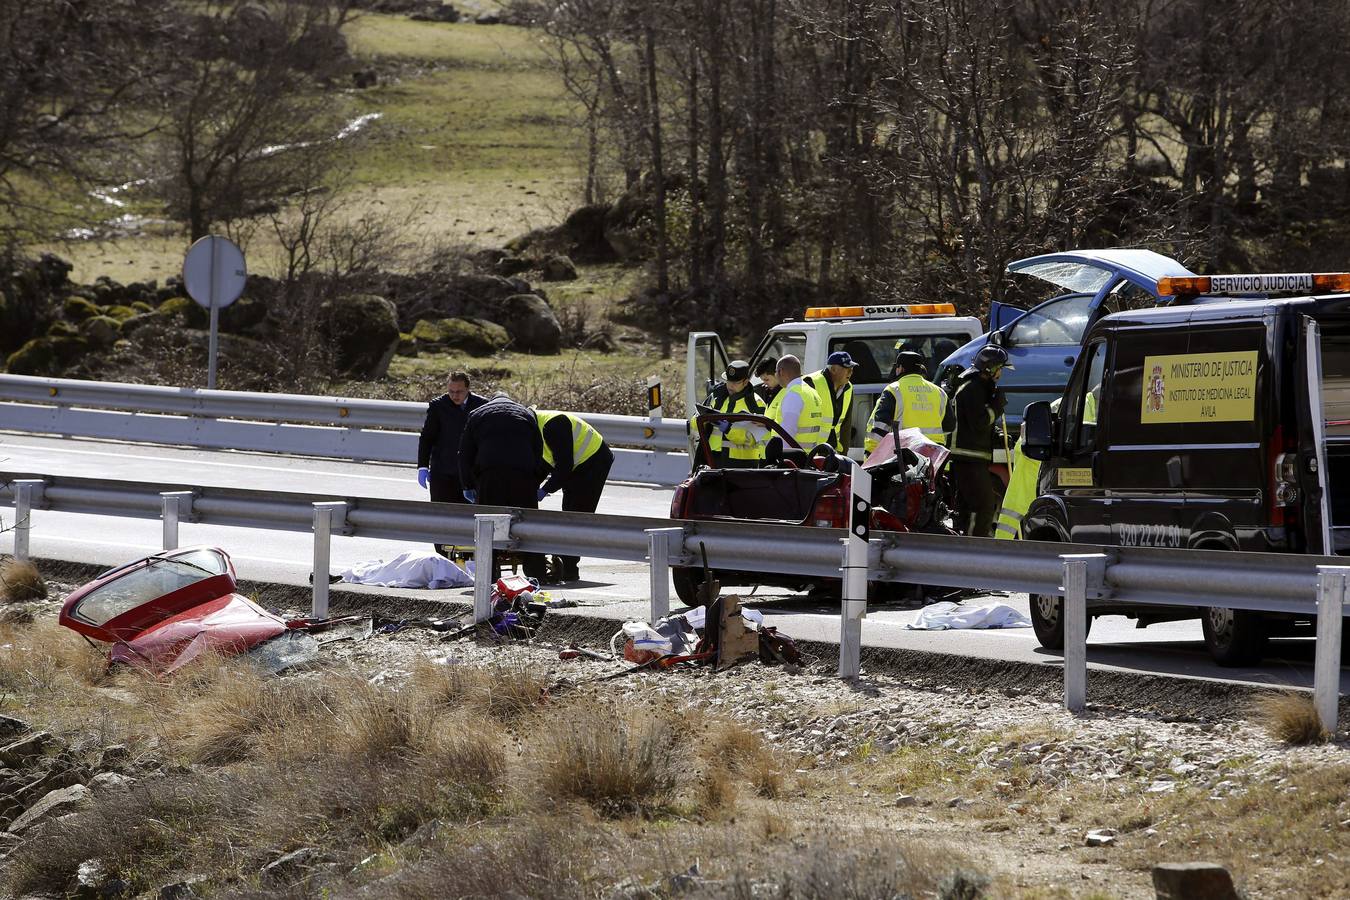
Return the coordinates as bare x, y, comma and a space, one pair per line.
1017, 499
742, 440
824, 388
809, 431
918, 404
586, 441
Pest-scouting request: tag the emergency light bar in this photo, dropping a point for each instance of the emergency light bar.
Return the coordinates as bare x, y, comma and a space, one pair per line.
1332, 282
881, 312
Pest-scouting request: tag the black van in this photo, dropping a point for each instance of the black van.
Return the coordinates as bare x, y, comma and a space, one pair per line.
1205, 424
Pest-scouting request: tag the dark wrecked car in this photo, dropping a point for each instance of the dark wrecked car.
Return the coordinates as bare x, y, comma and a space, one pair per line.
164, 611
795, 486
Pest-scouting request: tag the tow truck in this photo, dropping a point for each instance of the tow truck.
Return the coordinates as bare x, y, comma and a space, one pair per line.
870, 334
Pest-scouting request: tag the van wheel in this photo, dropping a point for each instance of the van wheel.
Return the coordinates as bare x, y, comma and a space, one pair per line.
686, 580
1235, 637
1047, 620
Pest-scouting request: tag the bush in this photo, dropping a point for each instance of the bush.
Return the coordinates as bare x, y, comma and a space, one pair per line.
20, 582
1291, 718
619, 760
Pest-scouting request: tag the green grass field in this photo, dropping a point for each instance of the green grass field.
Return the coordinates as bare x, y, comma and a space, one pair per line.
473, 146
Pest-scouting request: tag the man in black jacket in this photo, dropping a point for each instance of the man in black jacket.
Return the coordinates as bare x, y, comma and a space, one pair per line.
978, 402
438, 445
499, 463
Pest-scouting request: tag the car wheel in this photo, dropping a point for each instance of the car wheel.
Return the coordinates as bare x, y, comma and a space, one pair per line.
1047, 620
686, 581
1235, 637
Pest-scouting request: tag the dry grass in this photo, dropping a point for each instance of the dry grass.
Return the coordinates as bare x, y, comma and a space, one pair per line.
542, 857
1290, 718
619, 759
502, 692
21, 582
744, 753
44, 658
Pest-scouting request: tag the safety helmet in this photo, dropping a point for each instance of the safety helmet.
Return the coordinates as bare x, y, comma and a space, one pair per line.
988, 359
910, 361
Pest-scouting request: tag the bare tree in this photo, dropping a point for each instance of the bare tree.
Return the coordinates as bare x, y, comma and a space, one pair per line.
247, 106
69, 72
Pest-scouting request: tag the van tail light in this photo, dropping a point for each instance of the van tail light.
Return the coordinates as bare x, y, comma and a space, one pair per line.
1284, 494
831, 509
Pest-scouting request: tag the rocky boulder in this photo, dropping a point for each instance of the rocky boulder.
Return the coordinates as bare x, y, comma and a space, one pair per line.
432, 11
37, 357
77, 309
531, 323
558, 268
29, 292
477, 337
56, 803
363, 331
1193, 881
185, 311
101, 331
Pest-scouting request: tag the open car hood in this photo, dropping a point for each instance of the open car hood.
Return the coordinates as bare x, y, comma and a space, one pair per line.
162, 611
1088, 271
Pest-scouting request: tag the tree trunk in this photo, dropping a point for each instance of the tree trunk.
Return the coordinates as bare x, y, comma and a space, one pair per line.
659, 187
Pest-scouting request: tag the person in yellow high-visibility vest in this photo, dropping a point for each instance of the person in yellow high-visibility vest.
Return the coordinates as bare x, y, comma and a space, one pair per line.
1023, 485
736, 445
579, 461
911, 401
797, 406
834, 387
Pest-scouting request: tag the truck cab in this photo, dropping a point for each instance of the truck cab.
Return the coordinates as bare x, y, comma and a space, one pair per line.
1220, 422
1043, 336
870, 334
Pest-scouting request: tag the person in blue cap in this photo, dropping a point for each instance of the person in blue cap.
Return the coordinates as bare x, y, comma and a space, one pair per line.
833, 384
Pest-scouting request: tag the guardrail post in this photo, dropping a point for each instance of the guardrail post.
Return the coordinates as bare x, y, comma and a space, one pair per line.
658, 555
323, 533
1080, 571
1331, 587
853, 607
486, 529
173, 510
26, 490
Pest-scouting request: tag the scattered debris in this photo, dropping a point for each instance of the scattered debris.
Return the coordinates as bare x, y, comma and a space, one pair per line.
1100, 837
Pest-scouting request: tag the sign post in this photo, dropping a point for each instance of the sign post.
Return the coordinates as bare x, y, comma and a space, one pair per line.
214, 275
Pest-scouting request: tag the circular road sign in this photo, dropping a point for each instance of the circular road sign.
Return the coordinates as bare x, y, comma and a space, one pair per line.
214, 272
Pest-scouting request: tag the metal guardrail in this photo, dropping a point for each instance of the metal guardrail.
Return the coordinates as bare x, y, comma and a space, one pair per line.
647, 451
1291, 583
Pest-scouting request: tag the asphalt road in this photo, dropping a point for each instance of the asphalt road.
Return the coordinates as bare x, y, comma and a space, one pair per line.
610, 589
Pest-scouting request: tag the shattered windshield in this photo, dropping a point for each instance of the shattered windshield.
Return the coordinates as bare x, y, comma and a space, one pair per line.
1078, 277
160, 576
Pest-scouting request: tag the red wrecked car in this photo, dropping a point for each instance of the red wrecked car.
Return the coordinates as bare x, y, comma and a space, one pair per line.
794, 486
164, 611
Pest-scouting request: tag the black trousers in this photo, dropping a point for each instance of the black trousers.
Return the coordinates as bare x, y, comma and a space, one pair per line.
512, 487
976, 494
582, 494
445, 489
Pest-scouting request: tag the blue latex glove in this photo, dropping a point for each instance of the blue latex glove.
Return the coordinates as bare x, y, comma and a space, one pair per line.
471, 495
724, 427
543, 492
422, 475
